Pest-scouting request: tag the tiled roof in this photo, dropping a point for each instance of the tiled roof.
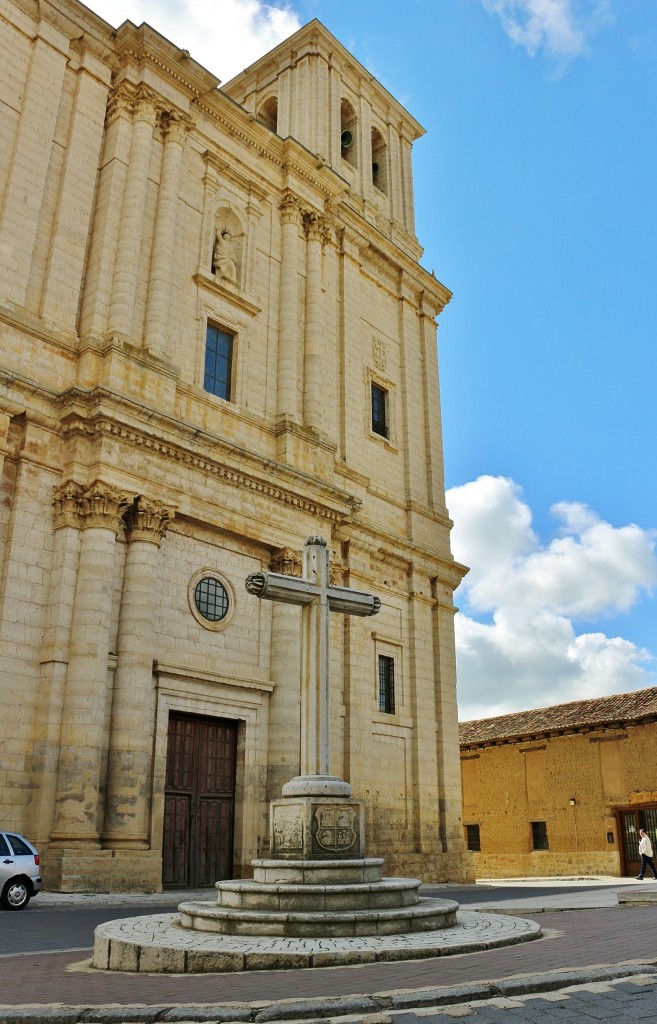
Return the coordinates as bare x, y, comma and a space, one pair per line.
620, 707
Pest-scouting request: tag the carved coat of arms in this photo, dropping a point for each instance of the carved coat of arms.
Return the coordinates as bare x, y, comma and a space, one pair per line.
335, 830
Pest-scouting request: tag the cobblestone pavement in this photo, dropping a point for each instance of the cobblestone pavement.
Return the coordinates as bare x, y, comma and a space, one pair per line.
611, 951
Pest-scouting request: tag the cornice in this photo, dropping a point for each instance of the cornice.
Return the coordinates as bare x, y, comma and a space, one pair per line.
215, 285
144, 46
308, 494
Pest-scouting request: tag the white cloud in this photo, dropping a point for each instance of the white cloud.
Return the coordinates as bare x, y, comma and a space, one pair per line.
225, 36
517, 645
561, 28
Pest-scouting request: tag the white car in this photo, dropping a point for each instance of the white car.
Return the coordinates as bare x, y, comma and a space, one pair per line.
20, 876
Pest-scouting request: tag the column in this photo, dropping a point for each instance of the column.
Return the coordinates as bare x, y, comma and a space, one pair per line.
133, 703
126, 273
55, 653
164, 237
315, 228
83, 742
288, 315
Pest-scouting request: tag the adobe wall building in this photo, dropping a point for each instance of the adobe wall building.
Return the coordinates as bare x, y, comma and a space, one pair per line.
216, 340
561, 790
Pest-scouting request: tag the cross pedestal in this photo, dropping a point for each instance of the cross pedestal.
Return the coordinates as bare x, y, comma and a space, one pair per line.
316, 817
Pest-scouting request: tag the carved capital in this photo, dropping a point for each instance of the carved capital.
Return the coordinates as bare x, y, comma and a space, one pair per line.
103, 506
65, 502
175, 126
286, 561
146, 105
315, 227
148, 520
290, 209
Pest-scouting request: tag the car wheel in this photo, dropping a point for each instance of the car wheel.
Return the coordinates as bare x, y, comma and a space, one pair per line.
15, 895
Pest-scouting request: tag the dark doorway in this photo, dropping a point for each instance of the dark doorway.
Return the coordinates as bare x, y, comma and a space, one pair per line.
630, 823
199, 801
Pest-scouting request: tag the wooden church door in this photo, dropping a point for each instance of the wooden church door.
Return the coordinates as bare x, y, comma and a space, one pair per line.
199, 801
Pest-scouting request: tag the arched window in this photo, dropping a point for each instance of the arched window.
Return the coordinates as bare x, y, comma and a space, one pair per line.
268, 113
348, 133
379, 161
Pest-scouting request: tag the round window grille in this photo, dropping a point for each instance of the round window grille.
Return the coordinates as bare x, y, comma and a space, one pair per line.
211, 599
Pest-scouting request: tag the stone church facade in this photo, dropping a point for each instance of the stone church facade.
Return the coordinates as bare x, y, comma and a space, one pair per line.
216, 340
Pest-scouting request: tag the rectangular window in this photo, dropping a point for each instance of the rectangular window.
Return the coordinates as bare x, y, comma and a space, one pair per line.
472, 837
380, 411
539, 835
218, 362
386, 684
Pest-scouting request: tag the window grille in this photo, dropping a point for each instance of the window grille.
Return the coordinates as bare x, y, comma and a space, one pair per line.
473, 838
386, 684
539, 835
380, 411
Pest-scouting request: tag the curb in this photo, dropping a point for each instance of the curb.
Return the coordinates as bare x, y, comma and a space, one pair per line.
321, 1008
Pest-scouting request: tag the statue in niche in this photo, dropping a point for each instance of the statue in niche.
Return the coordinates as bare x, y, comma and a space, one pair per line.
224, 263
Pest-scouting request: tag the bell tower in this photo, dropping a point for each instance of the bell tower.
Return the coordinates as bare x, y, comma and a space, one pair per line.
311, 89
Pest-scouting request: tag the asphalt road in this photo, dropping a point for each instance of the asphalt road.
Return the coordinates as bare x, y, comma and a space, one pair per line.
44, 929
52, 929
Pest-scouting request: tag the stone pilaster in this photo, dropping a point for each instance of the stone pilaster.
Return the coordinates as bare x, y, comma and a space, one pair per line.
133, 703
83, 740
126, 273
30, 161
313, 407
66, 260
288, 327
457, 862
175, 131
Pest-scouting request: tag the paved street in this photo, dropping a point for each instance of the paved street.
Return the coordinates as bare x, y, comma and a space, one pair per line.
576, 940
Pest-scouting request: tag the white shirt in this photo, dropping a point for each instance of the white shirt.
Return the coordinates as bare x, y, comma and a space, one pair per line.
645, 846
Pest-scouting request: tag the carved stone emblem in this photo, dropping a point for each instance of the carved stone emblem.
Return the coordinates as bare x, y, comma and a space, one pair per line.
335, 830
379, 354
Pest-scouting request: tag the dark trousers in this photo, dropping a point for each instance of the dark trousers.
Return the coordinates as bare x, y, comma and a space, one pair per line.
647, 861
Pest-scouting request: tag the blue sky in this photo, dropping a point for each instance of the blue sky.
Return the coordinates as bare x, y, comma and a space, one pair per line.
536, 202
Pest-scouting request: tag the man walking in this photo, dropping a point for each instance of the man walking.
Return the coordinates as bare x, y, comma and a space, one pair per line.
645, 849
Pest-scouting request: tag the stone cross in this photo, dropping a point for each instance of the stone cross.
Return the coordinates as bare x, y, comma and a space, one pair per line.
314, 592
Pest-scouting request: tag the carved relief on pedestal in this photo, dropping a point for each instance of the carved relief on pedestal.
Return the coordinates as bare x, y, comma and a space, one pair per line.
287, 829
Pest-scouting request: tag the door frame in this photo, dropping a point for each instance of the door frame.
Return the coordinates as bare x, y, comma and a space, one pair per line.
246, 701
630, 866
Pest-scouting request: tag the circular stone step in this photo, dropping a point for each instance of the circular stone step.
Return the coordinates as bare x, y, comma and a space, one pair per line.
318, 872
157, 944
245, 894
426, 915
